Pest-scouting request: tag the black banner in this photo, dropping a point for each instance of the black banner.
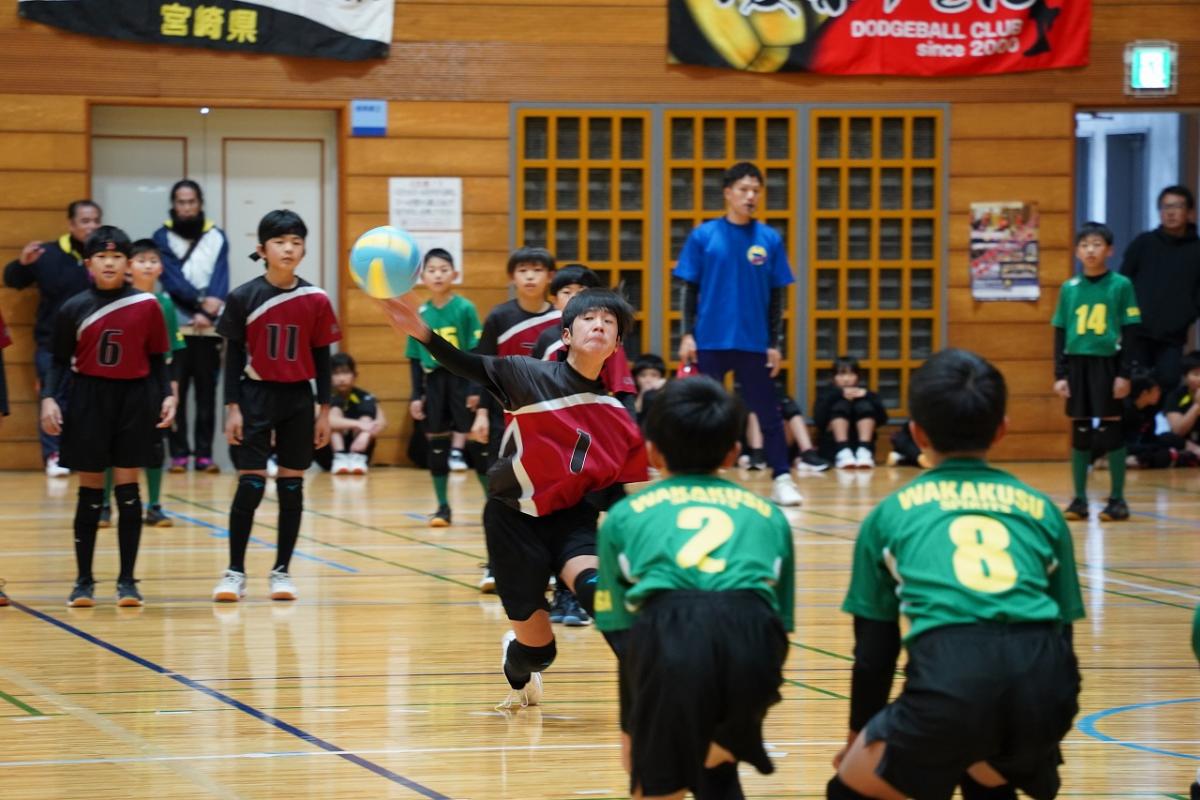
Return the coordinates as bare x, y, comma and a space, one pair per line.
349, 30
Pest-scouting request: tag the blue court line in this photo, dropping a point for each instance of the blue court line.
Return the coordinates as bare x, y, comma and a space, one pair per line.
223, 533
1087, 725
221, 697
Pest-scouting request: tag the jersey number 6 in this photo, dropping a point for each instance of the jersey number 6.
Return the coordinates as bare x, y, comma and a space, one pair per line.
110, 348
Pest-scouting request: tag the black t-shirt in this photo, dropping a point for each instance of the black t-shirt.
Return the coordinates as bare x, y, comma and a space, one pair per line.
357, 404
1180, 402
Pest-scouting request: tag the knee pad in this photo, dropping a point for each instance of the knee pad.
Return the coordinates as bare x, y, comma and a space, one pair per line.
249, 493
720, 783
525, 659
439, 455
1108, 436
480, 456
972, 790
1081, 434
290, 492
128, 499
87, 508
836, 790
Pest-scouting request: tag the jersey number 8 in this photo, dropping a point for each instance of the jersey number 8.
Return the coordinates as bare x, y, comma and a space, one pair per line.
981, 558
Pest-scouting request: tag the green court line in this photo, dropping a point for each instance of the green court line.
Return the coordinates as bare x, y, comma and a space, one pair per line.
28, 709
1147, 577
342, 548
817, 689
1189, 609
396, 534
829, 653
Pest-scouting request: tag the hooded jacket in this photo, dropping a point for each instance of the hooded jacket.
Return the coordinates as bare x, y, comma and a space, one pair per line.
1165, 271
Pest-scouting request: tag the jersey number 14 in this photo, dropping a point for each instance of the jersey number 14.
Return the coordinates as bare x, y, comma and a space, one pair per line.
1091, 318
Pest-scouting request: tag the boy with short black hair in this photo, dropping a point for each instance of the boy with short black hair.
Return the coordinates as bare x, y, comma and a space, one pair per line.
113, 338
277, 329
439, 397
355, 419
561, 464
1097, 311
698, 575
983, 568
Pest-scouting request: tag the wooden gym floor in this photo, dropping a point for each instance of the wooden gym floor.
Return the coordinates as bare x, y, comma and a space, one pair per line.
380, 681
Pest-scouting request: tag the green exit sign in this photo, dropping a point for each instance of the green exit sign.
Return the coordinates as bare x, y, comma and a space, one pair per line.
1151, 68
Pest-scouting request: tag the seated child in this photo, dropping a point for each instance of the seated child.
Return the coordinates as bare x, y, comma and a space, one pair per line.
355, 418
848, 414
1182, 406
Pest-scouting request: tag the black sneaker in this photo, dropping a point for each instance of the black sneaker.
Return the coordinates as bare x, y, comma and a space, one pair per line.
1077, 510
105, 517
127, 594
156, 518
441, 517
573, 615
558, 605
811, 461
1115, 510
83, 595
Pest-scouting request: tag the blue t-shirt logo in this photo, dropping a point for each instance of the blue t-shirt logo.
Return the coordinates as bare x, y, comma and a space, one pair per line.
757, 255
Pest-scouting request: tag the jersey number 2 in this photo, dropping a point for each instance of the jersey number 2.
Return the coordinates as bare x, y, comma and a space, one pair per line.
714, 528
981, 558
291, 347
1091, 318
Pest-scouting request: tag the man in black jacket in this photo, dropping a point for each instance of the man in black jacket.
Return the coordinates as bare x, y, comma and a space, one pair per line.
57, 269
1164, 265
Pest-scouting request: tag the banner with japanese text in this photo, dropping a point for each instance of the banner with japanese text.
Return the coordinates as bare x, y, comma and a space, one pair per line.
930, 38
349, 30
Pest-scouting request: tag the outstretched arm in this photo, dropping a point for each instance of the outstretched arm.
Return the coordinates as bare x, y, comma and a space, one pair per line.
404, 317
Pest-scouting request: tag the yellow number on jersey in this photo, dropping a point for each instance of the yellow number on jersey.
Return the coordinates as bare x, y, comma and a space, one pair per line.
1094, 320
981, 560
715, 529
450, 334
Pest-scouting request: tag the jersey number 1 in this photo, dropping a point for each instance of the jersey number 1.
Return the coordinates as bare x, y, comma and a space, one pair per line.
981, 558
714, 527
292, 346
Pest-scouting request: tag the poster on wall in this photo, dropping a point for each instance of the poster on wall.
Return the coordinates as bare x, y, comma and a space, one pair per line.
1004, 251
349, 30
431, 210
931, 38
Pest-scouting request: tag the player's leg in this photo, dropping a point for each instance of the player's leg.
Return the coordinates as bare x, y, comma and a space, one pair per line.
207, 365
129, 533
360, 452
87, 521
250, 459
106, 511
982, 782
483, 456
86, 447
1109, 439
155, 516
864, 456
438, 421
1081, 453
758, 392
840, 418
856, 776
294, 451
182, 365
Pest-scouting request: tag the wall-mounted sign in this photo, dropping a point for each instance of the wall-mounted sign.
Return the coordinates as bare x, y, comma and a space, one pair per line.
1151, 68
431, 210
368, 117
1004, 251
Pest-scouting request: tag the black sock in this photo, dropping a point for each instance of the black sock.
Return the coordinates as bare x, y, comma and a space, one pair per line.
836, 790
521, 660
1196, 790
241, 518
87, 520
585, 590
720, 783
291, 506
973, 790
129, 526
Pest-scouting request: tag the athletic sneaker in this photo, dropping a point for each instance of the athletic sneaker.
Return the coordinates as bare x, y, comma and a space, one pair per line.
894, 459
282, 587
785, 492
556, 607
83, 595
358, 463
457, 462
441, 517
53, 469
487, 584
864, 458
517, 699
207, 465
231, 588
341, 463
743, 461
156, 518
845, 459
178, 465
811, 461
1115, 510
3, 596
272, 467
1077, 510
105, 517
127, 594
573, 615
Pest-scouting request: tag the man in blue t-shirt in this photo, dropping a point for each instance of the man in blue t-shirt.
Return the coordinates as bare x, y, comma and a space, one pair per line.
735, 272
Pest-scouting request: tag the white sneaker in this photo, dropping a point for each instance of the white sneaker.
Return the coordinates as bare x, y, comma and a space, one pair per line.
53, 470
457, 462
358, 463
341, 464
272, 467
517, 699
231, 588
894, 459
282, 587
864, 458
785, 492
487, 584
845, 459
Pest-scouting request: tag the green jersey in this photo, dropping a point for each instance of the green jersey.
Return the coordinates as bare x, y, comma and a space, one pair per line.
1093, 311
1196, 634
457, 322
692, 532
964, 543
174, 336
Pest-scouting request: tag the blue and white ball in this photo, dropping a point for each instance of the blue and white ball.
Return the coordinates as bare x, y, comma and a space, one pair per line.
385, 262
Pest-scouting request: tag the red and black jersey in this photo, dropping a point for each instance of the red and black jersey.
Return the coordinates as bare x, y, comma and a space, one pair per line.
280, 328
616, 376
5, 337
510, 330
566, 437
110, 333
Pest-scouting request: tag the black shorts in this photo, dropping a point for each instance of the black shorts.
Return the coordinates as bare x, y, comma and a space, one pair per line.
282, 409
1090, 379
446, 403
525, 551
699, 667
110, 423
1004, 694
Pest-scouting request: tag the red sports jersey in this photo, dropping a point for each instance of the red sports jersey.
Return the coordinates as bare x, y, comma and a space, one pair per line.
510, 330
616, 375
565, 438
110, 333
5, 338
280, 328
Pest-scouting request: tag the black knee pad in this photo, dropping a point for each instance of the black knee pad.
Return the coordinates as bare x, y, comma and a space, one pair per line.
439, 455
973, 790
525, 659
249, 493
290, 492
481, 456
720, 783
129, 500
1081, 434
836, 790
1108, 436
88, 506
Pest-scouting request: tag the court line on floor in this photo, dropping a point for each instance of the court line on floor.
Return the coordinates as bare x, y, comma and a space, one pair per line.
1088, 726
221, 697
396, 534
28, 709
223, 533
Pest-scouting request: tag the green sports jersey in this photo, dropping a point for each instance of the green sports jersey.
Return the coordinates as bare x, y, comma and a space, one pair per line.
457, 322
692, 532
1092, 313
1196, 634
961, 544
174, 336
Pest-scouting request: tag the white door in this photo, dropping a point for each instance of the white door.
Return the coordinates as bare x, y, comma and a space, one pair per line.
132, 175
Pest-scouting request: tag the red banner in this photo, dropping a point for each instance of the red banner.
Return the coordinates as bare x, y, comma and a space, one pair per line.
882, 37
